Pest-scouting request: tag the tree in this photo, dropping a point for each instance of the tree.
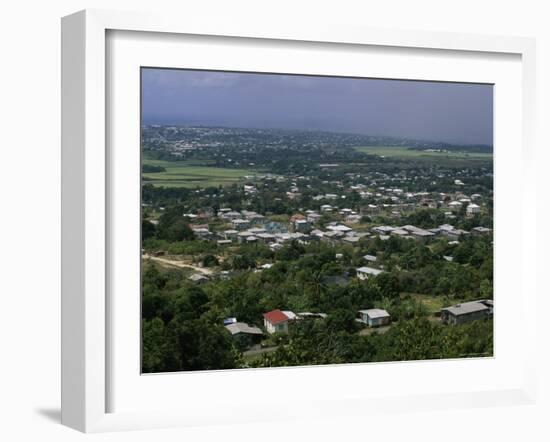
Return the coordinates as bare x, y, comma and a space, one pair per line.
210, 261
179, 230
388, 284
202, 345
158, 352
148, 229
243, 262
342, 319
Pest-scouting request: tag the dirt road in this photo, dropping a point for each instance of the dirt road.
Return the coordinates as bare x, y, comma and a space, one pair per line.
179, 264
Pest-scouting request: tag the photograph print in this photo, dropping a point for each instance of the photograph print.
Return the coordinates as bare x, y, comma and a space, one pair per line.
300, 220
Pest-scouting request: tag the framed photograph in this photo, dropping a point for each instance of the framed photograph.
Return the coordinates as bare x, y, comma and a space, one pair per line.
325, 212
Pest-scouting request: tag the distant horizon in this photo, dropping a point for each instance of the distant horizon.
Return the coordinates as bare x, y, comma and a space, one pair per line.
219, 126
451, 113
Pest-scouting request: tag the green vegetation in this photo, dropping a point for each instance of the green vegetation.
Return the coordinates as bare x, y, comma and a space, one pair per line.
423, 155
423, 217
185, 174
303, 278
399, 151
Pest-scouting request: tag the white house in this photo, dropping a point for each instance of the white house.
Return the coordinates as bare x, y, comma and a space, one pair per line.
276, 321
374, 317
339, 228
455, 205
197, 278
365, 272
472, 209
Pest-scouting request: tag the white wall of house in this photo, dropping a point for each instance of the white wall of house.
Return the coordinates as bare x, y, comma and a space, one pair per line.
278, 328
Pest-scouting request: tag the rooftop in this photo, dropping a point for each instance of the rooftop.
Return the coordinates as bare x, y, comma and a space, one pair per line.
369, 270
241, 327
466, 308
375, 313
276, 317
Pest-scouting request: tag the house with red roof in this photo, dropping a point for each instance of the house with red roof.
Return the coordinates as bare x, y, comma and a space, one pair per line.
276, 321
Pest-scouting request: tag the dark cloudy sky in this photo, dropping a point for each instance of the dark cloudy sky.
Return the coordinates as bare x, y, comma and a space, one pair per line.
450, 112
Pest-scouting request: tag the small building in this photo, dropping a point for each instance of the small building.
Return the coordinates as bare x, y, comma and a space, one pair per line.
198, 278
473, 209
244, 334
374, 317
276, 321
230, 320
339, 228
467, 311
365, 272
241, 328
383, 230
313, 217
351, 239
230, 234
240, 224
266, 237
481, 231
455, 205
231, 215
241, 236
353, 218
202, 232
422, 235
236, 328
370, 258
302, 225
257, 230
399, 232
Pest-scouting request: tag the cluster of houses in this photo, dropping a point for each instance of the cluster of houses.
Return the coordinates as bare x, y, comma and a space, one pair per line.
252, 227
277, 321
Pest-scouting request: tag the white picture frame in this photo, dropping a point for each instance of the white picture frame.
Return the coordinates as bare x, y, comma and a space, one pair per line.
87, 204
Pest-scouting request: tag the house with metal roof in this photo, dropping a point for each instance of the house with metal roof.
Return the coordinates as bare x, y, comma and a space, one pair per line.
467, 311
374, 317
370, 258
366, 272
244, 335
473, 209
198, 278
237, 328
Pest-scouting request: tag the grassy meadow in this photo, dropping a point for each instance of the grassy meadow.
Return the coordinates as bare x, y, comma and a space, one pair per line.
405, 153
190, 174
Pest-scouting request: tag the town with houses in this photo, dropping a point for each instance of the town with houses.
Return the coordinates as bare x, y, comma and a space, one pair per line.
275, 243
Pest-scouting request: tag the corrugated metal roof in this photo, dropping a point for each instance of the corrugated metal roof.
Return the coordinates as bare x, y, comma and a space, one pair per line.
375, 313
466, 308
241, 327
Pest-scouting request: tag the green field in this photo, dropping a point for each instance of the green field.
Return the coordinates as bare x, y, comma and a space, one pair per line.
404, 152
188, 174
433, 303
